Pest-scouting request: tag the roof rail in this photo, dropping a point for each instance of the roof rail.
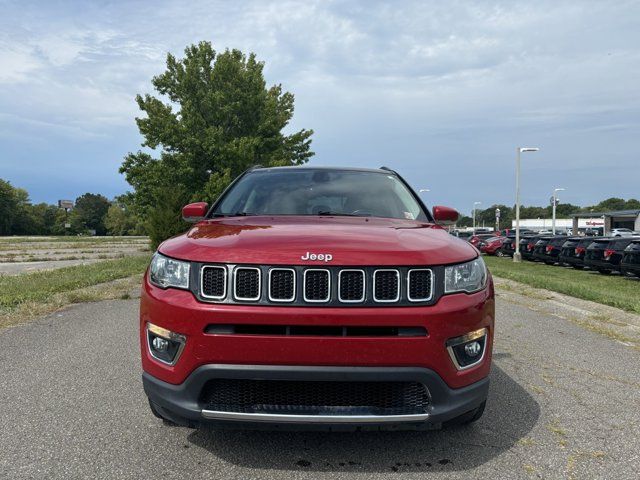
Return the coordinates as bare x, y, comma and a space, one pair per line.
388, 170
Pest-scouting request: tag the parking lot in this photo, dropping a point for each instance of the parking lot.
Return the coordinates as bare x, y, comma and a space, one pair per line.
30, 254
564, 403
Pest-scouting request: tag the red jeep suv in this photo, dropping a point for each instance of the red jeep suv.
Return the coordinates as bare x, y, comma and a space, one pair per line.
317, 296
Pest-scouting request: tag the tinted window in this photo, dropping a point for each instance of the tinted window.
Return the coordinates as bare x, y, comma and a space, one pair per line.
320, 192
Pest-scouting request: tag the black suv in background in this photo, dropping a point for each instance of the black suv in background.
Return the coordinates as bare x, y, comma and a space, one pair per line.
527, 246
547, 249
508, 247
573, 250
630, 264
605, 255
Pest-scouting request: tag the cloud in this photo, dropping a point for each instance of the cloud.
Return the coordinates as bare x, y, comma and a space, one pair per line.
403, 83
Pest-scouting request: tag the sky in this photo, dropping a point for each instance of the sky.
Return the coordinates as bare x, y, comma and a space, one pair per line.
442, 92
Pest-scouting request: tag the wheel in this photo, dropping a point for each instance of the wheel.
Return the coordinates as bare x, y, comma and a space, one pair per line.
499, 253
549, 263
467, 418
578, 267
604, 272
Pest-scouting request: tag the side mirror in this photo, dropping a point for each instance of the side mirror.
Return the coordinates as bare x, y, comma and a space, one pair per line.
444, 214
194, 212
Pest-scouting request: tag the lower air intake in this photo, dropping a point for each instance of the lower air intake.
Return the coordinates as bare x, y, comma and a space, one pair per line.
315, 398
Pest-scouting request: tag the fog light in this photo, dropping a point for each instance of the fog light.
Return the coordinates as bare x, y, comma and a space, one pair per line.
160, 344
164, 345
473, 349
467, 350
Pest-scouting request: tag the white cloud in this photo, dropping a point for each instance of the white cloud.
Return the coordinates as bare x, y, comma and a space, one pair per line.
423, 76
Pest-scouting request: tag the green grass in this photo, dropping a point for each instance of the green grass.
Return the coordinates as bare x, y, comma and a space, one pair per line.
612, 290
40, 287
72, 239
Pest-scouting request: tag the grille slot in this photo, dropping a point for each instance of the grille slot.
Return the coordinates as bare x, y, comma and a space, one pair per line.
314, 330
315, 398
282, 284
419, 285
351, 286
386, 285
213, 282
246, 283
317, 285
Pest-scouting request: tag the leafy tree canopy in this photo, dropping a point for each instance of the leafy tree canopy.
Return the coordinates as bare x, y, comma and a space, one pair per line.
216, 118
89, 213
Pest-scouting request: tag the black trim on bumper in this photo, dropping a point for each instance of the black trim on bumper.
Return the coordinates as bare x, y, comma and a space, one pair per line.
180, 403
571, 260
601, 265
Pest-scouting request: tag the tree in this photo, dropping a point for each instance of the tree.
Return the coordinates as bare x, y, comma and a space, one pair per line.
614, 203
121, 219
217, 119
8, 205
89, 213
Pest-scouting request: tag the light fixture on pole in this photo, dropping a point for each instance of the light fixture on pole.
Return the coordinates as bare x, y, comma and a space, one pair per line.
554, 203
517, 257
474, 215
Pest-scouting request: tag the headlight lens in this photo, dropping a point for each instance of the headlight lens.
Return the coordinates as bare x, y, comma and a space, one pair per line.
466, 277
167, 272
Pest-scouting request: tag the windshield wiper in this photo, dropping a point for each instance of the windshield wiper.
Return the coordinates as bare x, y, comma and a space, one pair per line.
338, 214
237, 214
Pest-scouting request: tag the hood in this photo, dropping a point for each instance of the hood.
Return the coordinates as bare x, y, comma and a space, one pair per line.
348, 240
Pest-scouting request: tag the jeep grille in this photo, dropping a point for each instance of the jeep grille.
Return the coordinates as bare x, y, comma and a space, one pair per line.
330, 286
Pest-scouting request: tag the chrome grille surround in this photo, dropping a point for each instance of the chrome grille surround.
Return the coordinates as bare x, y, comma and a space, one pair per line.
202, 282
235, 283
269, 289
304, 285
420, 299
395, 291
375, 285
364, 285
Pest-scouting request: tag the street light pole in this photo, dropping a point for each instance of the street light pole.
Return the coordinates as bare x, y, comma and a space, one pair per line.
517, 257
474, 215
553, 209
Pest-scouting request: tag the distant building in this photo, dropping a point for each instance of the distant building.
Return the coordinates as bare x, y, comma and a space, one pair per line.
615, 219
562, 224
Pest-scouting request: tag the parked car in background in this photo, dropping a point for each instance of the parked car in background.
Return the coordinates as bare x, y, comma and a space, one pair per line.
491, 246
508, 247
621, 232
573, 250
547, 249
511, 232
476, 239
630, 264
527, 246
605, 255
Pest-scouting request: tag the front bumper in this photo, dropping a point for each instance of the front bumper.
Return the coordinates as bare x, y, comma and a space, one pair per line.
184, 405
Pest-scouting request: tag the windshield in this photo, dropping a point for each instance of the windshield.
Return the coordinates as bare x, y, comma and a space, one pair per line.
320, 192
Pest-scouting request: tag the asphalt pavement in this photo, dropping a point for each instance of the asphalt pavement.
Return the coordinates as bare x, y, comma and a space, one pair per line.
564, 403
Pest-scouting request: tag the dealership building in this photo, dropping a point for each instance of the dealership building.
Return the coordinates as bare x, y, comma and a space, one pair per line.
617, 219
587, 221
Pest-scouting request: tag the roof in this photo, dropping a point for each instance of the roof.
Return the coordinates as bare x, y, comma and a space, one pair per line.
614, 213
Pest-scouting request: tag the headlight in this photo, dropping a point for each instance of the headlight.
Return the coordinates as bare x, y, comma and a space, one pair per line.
167, 272
467, 277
